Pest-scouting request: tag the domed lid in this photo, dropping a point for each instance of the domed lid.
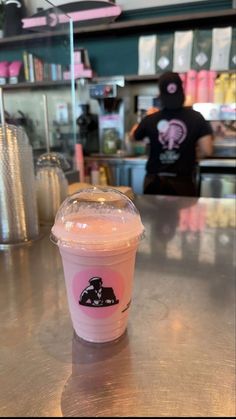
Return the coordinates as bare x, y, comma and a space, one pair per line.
52, 159
96, 218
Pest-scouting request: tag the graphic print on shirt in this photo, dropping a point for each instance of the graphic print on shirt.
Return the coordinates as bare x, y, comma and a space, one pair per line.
171, 134
96, 295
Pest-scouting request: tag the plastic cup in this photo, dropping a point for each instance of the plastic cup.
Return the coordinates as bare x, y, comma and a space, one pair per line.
98, 231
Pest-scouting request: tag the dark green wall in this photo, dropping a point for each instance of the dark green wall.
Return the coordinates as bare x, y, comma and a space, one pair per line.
112, 55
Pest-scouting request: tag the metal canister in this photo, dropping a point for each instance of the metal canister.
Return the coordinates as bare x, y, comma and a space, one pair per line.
51, 185
18, 205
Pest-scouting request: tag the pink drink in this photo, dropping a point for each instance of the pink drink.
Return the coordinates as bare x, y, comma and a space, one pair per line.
98, 244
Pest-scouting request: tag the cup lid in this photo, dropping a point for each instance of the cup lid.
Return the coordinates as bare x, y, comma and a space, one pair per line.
96, 217
52, 159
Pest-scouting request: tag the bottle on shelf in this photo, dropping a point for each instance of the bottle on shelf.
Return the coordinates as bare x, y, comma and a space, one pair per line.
79, 161
87, 177
94, 173
225, 81
230, 96
102, 176
218, 91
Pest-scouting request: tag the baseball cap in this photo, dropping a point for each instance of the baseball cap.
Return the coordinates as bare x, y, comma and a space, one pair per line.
95, 279
171, 90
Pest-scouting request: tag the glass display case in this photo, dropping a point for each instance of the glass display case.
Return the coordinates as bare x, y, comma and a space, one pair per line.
223, 121
217, 175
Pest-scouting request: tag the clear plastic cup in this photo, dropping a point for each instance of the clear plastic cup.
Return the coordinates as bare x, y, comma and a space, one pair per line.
98, 231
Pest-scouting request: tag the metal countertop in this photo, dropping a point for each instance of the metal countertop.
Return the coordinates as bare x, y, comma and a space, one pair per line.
122, 159
177, 357
214, 161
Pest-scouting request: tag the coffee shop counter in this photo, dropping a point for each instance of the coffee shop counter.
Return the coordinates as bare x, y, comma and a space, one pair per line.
121, 170
130, 171
177, 357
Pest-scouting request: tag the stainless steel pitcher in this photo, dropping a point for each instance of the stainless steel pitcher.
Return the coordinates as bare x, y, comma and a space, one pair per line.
51, 185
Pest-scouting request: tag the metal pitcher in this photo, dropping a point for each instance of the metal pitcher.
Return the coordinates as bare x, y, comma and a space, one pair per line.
51, 185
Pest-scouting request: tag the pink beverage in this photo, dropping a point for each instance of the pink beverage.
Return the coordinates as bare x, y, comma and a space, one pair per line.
98, 231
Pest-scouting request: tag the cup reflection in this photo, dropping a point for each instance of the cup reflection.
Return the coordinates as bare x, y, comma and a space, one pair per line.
92, 386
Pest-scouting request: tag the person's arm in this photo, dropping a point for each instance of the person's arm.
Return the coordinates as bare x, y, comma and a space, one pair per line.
204, 146
132, 131
138, 131
205, 138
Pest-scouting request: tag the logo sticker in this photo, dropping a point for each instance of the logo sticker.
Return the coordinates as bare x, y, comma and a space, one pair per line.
98, 291
171, 88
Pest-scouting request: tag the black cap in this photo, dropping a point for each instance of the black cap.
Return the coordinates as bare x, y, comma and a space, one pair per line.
95, 279
171, 90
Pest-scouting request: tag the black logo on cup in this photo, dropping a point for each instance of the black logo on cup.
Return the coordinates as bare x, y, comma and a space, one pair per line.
95, 295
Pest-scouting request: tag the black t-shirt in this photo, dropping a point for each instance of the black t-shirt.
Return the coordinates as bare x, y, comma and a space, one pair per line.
173, 135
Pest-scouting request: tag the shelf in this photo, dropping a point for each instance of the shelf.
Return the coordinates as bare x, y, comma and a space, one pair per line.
134, 78
118, 40
142, 79
36, 85
213, 162
28, 37
220, 17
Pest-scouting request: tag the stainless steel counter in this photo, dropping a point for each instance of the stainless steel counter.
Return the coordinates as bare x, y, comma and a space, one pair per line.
178, 355
221, 163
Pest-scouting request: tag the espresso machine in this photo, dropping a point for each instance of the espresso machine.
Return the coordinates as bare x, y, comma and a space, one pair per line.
111, 123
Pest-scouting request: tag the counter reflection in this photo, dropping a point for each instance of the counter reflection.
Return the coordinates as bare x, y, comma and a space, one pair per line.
31, 290
194, 229
95, 381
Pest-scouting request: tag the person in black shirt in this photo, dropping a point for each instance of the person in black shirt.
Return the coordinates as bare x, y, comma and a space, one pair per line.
178, 137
